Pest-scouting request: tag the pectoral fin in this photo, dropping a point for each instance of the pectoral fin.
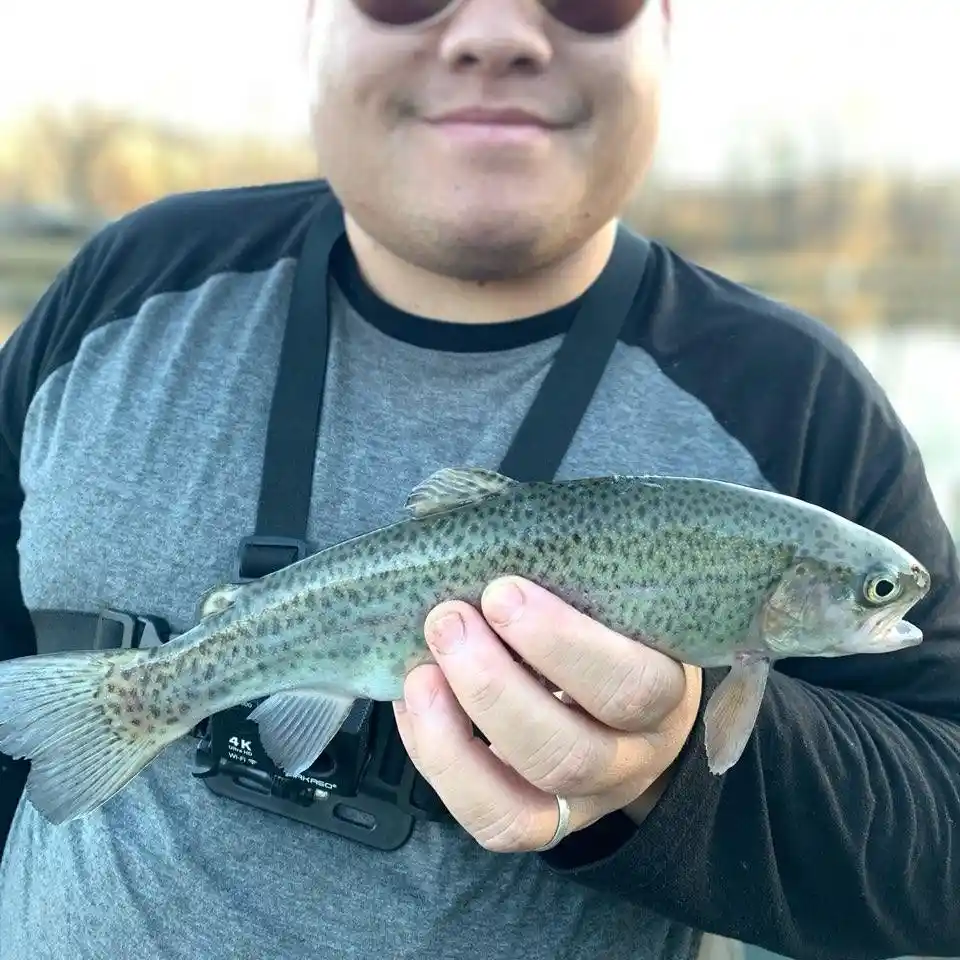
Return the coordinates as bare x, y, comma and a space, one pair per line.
731, 712
296, 726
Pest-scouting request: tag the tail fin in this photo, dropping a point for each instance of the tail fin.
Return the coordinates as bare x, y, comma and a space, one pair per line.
55, 711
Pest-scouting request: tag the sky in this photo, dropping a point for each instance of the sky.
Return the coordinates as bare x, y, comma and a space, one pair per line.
874, 81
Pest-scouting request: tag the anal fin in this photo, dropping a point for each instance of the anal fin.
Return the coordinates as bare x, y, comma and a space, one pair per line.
731, 712
296, 726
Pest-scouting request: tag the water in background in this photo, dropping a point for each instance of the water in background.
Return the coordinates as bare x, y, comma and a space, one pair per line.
919, 367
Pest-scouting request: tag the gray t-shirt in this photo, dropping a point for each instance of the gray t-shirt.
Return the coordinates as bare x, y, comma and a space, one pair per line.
140, 462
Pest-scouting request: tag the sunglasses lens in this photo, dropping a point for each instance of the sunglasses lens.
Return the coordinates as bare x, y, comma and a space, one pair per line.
401, 13
585, 16
594, 16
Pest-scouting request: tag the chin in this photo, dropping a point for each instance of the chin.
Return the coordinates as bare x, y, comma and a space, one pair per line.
486, 249
491, 240
480, 236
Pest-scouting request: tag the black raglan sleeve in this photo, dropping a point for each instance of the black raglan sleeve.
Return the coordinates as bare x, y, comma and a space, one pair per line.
837, 834
16, 634
111, 275
25, 358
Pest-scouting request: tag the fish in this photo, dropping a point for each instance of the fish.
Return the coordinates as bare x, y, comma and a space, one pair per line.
708, 572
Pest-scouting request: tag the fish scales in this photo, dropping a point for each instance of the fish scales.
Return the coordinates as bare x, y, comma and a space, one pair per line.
363, 602
707, 572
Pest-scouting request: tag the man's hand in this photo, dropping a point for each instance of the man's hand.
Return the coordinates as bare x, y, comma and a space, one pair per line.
626, 713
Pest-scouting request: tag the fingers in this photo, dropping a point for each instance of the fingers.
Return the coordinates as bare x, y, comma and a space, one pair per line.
634, 710
555, 749
621, 682
496, 805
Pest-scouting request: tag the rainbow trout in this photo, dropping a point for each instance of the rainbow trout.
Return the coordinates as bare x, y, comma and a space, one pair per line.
709, 573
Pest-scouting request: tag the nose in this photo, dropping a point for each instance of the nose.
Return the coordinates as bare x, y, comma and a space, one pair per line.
497, 37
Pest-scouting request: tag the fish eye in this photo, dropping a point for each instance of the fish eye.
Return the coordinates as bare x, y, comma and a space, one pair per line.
882, 586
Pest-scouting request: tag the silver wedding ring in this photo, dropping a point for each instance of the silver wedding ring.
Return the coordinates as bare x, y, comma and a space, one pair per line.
563, 826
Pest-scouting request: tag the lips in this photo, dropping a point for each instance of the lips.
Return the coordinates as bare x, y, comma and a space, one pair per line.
489, 116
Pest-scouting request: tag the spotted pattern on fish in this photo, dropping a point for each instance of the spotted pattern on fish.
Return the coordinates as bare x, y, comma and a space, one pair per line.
682, 564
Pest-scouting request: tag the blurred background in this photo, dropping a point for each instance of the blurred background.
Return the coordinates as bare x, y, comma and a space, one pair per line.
810, 150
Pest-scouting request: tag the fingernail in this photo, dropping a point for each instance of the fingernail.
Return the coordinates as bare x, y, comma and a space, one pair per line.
446, 633
503, 602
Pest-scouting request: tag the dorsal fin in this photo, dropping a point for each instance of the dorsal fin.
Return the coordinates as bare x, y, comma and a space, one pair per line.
454, 487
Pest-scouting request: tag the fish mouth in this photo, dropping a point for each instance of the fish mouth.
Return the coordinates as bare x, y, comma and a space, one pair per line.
897, 636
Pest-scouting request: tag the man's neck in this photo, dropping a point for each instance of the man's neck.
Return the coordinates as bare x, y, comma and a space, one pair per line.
436, 297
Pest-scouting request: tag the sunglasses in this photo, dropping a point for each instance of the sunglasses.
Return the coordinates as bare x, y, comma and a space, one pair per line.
594, 17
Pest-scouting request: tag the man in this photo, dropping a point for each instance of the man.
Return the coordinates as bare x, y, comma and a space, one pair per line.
481, 151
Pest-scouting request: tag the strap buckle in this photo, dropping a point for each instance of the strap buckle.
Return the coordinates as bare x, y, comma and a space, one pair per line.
119, 630
258, 556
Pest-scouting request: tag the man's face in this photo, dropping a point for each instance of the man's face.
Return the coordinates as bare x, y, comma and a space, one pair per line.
483, 201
